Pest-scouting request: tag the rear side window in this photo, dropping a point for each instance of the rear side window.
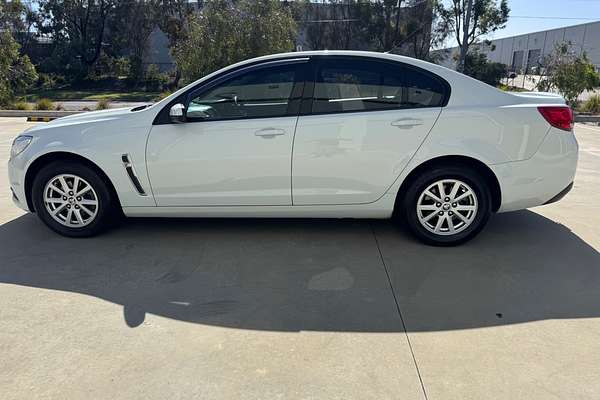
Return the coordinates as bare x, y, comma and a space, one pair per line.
345, 85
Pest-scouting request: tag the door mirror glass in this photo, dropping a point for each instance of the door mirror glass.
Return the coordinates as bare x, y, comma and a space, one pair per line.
177, 113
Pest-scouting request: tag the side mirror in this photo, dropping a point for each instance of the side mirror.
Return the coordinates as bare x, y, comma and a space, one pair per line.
177, 113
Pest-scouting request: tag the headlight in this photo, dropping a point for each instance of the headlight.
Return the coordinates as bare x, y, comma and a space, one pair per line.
19, 145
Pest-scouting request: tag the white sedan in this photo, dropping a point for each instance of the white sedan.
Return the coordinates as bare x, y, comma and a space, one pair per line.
335, 134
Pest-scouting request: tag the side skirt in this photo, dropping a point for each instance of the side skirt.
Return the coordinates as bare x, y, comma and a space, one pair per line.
380, 209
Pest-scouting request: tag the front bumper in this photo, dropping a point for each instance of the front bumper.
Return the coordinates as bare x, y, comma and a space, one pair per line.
537, 180
16, 179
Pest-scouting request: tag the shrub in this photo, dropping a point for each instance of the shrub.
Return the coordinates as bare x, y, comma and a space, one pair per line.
50, 81
592, 105
570, 72
478, 67
154, 79
21, 105
122, 67
44, 104
163, 95
103, 104
59, 107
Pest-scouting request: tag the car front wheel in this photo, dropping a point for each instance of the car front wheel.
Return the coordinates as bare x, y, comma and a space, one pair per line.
447, 206
72, 199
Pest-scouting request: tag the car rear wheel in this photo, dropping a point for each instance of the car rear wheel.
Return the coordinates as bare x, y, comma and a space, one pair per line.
73, 200
447, 206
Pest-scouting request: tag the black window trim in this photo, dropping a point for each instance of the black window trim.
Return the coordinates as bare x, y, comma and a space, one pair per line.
308, 97
162, 118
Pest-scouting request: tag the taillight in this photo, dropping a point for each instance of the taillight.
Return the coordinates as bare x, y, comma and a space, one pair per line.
560, 117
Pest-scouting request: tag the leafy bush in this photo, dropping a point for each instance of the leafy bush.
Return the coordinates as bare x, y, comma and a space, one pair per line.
44, 104
122, 67
49, 81
592, 105
163, 95
154, 79
102, 68
21, 105
477, 66
103, 104
569, 72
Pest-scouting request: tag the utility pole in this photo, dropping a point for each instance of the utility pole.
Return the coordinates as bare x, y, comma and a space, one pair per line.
464, 48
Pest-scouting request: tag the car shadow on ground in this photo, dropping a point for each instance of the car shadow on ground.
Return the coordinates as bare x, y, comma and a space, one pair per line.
322, 275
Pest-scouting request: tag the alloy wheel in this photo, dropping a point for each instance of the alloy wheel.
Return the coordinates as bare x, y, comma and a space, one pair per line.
71, 200
447, 207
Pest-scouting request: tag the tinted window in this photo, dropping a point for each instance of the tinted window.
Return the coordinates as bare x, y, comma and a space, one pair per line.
360, 85
265, 92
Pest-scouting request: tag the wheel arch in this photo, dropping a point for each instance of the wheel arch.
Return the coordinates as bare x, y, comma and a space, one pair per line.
464, 161
36, 166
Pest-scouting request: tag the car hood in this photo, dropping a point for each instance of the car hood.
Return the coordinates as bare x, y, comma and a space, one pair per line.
84, 118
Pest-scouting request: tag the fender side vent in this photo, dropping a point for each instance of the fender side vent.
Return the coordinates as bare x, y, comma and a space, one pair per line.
132, 175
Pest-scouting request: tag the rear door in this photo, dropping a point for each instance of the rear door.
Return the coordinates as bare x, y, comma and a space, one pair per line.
363, 122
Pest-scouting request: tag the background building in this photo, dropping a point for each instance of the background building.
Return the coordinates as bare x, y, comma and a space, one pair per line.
522, 53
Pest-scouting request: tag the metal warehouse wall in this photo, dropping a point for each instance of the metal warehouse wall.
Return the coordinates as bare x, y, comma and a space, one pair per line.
534, 46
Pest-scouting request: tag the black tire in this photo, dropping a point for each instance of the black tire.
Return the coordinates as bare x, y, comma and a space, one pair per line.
107, 210
461, 173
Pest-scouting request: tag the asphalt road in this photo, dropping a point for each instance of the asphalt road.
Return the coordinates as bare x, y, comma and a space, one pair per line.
304, 309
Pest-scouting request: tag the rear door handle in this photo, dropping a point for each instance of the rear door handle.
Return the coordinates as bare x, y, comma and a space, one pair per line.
405, 123
269, 132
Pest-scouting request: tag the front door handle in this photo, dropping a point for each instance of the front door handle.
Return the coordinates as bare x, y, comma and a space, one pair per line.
269, 132
405, 123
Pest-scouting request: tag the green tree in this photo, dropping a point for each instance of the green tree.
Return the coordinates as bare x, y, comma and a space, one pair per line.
131, 39
425, 30
568, 72
472, 19
77, 27
174, 19
409, 27
18, 18
227, 32
335, 25
16, 71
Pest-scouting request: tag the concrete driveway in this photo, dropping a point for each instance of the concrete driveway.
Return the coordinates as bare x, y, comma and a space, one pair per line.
304, 309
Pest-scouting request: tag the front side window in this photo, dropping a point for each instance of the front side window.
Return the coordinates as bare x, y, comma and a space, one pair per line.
361, 85
260, 93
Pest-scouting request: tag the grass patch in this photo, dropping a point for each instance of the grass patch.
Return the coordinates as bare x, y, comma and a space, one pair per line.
91, 95
508, 88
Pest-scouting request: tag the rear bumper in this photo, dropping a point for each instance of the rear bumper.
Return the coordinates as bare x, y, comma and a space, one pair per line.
537, 180
560, 195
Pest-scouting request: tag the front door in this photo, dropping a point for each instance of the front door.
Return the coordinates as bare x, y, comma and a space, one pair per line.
366, 121
235, 147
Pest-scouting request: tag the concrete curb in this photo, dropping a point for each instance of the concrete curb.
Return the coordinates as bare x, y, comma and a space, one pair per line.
587, 118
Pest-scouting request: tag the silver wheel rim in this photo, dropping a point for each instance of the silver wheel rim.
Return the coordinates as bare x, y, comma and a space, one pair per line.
447, 207
71, 200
